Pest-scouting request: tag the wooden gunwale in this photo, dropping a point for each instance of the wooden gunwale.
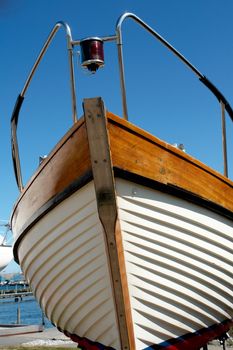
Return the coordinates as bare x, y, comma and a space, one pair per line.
69, 161
134, 152
138, 153
134, 130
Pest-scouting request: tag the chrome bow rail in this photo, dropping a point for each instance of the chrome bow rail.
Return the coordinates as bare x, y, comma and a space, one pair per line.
225, 106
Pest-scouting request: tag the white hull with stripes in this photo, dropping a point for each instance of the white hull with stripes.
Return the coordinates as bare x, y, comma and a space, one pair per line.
179, 264
178, 259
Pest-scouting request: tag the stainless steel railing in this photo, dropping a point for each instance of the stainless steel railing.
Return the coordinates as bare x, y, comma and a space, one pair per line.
222, 100
225, 106
19, 101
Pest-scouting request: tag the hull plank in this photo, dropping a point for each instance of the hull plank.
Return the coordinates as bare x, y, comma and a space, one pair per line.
132, 151
137, 152
64, 259
68, 162
178, 263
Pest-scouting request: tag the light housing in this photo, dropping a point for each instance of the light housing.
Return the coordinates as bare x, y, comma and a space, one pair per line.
92, 53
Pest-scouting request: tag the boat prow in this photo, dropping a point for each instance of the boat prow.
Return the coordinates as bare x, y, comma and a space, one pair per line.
124, 250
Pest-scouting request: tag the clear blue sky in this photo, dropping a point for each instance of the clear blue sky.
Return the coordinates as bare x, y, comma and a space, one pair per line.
164, 96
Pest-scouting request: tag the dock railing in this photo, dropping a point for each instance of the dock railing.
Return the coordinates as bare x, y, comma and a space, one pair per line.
15, 290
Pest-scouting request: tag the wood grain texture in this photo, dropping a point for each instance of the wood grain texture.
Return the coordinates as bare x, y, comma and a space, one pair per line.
95, 120
68, 161
132, 150
140, 153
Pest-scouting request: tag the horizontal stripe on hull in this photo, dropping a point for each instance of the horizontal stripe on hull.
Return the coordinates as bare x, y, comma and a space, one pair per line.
188, 342
178, 259
64, 258
178, 263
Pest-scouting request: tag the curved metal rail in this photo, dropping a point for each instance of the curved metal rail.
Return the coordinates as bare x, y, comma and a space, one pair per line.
118, 38
222, 100
20, 99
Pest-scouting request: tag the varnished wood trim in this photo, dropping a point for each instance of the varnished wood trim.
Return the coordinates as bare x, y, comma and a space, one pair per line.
133, 129
139, 153
125, 285
173, 190
65, 164
95, 121
47, 207
134, 151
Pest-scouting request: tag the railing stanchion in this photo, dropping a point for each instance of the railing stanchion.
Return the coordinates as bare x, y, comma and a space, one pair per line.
224, 139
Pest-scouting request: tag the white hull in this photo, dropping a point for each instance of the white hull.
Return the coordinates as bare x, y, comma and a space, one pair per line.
119, 248
178, 260
6, 256
64, 259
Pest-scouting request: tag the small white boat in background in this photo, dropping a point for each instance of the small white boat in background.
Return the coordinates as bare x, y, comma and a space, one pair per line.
6, 251
125, 240
6, 255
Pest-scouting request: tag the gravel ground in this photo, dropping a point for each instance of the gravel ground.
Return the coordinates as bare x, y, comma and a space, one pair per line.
215, 345
49, 337
53, 338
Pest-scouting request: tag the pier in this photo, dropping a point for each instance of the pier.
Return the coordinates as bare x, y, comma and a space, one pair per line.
15, 291
19, 295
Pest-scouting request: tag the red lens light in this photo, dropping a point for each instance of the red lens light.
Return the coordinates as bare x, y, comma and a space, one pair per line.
92, 53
